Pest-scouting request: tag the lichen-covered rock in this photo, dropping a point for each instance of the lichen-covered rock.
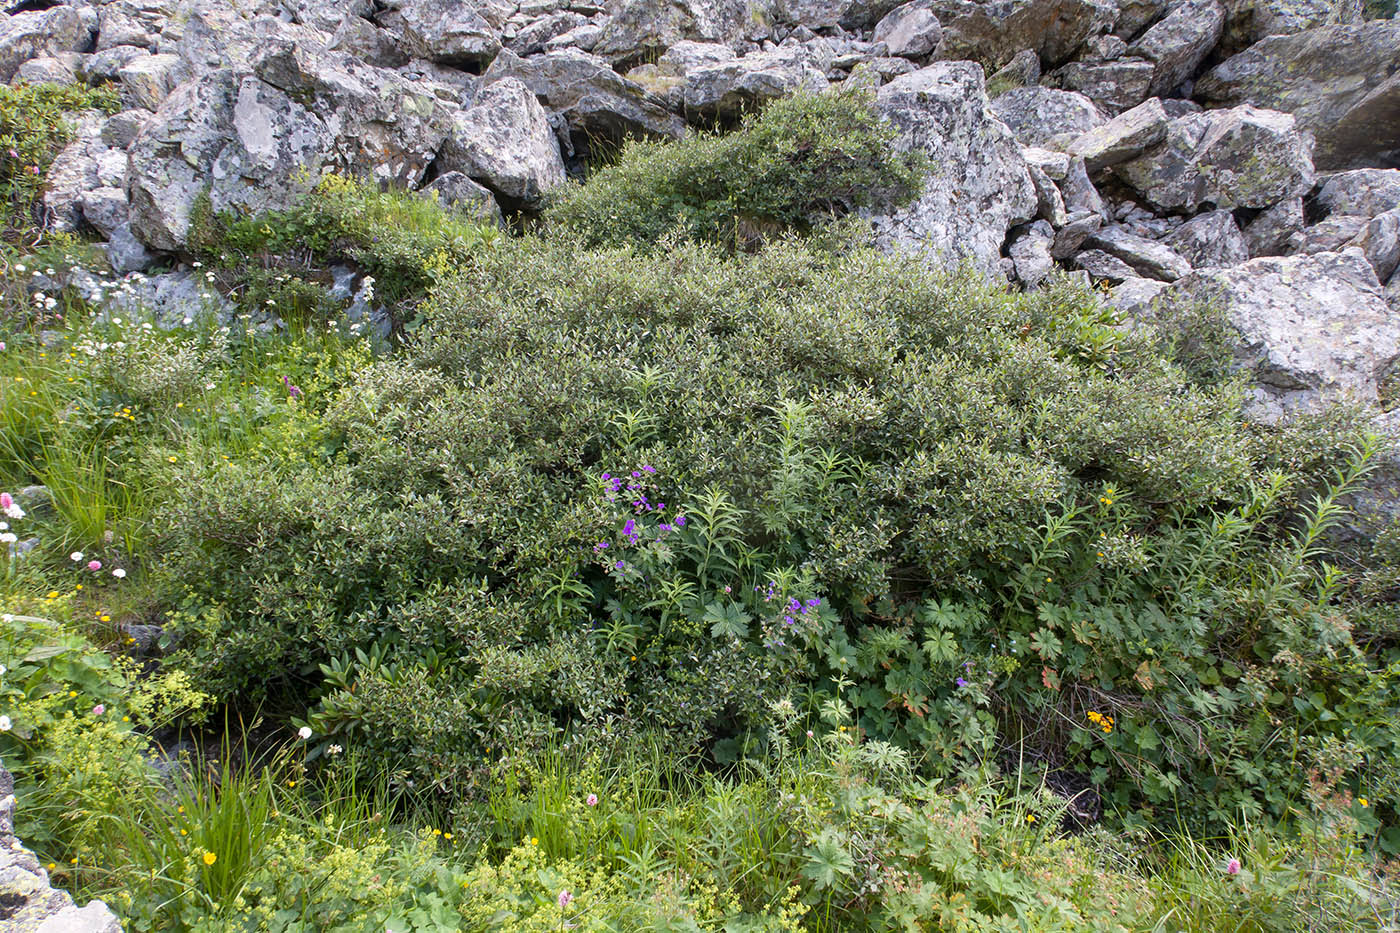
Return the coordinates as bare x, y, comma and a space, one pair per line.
1146, 257
1030, 254
1178, 43
1124, 137
1104, 266
534, 37
639, 29
979, 186
50, 69
911, 30
44, 32
1312, 329
1022, 71
728, 88
1337, 80
1244, 157
1113, 86
1379, 240
591, 97
452, 32
1039, 114
1331, 233
149, 79
994, 32
505, 143
1210, 240
1276, 231
87, 162
458, 191
1070, 238
1364, 192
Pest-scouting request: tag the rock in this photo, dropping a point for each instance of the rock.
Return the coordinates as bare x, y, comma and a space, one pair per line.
125, 253
1365, 192
1312, 329
108, 63
1178, 44
585, 38
1039, 114
505, 143
1124, 137
1134, 16
1079, 192
1113, 86
1022, 71
911, 30
814, 14
864, 14
532, 39
1209, 240
49, 69
330, 15
1335, 79
1055, 165
168, 299
1379, 240
456, 190
1030, 254
592, 98
1331, 233
641, 29
465, 33
148, 80
1147, 257
1070, 237
121, 128
84, 164
979, 185
1102, 265
994, 32
104, 208
1136, 298
1276, 231
728, 88
1050, 204
1243, 157
44, 33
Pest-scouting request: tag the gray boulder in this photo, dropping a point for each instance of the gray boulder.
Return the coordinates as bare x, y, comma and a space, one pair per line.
104, 208
456, 190
1104, 266
1242, 157
50, 69
149, 79
1331, 233
1339, 81
45, 32
1039, 114
1312, 329
1030, 254
505, 143
1178, 44
728, 88
1022, 71
534, 37
814, 14
1276, 231
1364, 192
911, 30
593, 99
125, 253
638, 29
452, 32
86, 163
995, 32
1379, 240
979, 185
1124, 137
1210, 240
108, 63
1113, 86
1146, 257
1070, 238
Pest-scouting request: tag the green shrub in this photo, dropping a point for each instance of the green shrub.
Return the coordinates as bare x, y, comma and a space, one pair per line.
800, 161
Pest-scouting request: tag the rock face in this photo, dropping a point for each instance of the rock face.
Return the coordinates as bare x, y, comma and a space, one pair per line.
994, 32
980, 185
27, 902
505, 143
1039, 114
30, 35
1339, 81
727, 88
1179, 43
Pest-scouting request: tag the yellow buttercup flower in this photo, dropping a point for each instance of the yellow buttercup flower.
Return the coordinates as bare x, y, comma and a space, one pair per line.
210, 858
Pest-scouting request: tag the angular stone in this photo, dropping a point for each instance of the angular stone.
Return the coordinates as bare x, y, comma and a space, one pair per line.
466, 33
1334, 79
106, 64
994, 32
1113, 86
45, 32
121, 128
641, 29
1380, 241
979, 186
1243, 157
728, 88
148, 80
1147, 257
1276, 231
104, 208
1070, 238
49, 69
505, 143
592, 98
1134, 16
1136, 298
1080, 193
125, 253
330, 15
911, 30
1331, 233
1124, 137
1178, 44
1365, 192
1039, 114
1102, 265
458, 191
1030, 254
1022, 71
1210, 240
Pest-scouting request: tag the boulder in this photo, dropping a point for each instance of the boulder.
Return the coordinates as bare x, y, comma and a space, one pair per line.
994, 32
125, 253
1209, 240
86, 163
108, 63
1146, 257
1104, 266
149, 79
1276, 231
1178, 43
593, 99
50, 69
814, 14
1079, 192
979, 186
458, 191
44, 32
1242, 157
1030, 254
1331, 233
1379, 240
911, 30
728, 88
1339, 81
641, 29
465, 33
1022, 71
1134, 16
1364, 192
505, 143
1070, 238
1039, 114
1113, 86
1124, 137
330, 15
104, 208
1311, 329
532, 39
1050, 204
1135, 299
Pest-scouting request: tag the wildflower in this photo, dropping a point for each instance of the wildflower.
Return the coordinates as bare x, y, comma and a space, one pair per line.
10, 506
99, 709
5, 724
304, 733
76, 556
172, 458
334, 750
1363, 801
94, 565
1030, 817
119, 573
1232, 867
960, 682
564, 898
8, 537
592, 800
51, 594
210, 858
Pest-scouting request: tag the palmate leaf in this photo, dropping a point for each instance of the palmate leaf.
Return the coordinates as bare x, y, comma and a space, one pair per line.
828, 859
727, 620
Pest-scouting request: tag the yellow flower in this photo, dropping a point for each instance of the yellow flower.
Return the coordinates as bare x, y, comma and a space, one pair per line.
210, 858
447, 836
180, 809
183, 833
1363, 801
78, 587
106, 618
72, 693
53, 594
534, 840
1030, 817
172, 459
126, 719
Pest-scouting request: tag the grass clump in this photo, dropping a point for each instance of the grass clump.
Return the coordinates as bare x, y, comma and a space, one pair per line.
794, 165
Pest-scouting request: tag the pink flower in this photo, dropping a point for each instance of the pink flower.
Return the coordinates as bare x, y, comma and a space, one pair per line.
6, 500
99, 709
94, 565
592, 800
564, 898
1232, 867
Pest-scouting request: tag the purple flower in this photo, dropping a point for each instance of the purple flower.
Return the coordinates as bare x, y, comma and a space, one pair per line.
649, 469
564, 898
680, 520
630, 529
960, 682
619, 565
